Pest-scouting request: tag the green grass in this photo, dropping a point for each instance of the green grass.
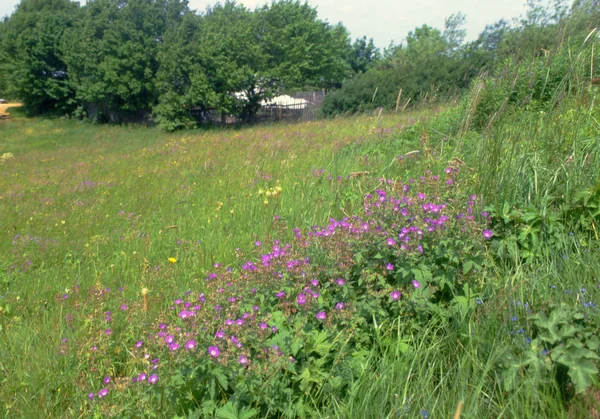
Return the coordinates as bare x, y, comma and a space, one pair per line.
85, 208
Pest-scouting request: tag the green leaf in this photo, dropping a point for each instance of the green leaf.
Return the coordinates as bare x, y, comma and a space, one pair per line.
582, 374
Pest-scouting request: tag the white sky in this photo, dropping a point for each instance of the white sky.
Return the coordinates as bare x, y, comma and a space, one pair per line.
386, 20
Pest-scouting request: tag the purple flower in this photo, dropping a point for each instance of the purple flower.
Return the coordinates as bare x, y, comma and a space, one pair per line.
243, 360
142, 377
190, 344
103, 392
389, 267
263, 326
184, 314
214, 351
91, 396
280, 294
416, 283
340, 305
341, 282
396, 295
314, 282
139, 344
174, 346
106, 380
169, 339
153, 379
321, 315
220, 334
390, 241
124, 307
487, 234
301, 299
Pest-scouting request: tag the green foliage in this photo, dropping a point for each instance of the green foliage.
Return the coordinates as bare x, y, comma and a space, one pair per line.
535, 84
563, 337
431, 63
363, 55
111, 53
33, 66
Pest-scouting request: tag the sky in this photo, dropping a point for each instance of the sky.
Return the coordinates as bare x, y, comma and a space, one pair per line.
386, 20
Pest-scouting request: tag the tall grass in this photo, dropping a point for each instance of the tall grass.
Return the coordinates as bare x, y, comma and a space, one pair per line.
92, 215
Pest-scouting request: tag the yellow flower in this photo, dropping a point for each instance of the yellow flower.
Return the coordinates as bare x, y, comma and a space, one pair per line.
172, 260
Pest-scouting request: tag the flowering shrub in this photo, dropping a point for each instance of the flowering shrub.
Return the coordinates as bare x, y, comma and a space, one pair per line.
297, 319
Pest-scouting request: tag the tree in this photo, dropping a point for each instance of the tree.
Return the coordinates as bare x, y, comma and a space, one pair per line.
363, 55
33, 64
111, 53
302, 50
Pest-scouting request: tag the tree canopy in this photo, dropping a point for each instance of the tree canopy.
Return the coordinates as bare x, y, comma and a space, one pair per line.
115, 59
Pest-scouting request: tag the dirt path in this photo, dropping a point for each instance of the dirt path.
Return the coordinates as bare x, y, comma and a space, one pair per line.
4, 107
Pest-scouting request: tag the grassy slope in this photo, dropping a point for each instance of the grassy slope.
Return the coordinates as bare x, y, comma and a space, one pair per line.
105, 207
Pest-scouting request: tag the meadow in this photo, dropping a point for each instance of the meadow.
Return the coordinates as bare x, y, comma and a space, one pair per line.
386, 265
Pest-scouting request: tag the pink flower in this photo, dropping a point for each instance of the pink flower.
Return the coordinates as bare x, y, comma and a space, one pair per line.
396, 295
190, 344
214, 351
321, 315
416, 284
153, 379
487, 234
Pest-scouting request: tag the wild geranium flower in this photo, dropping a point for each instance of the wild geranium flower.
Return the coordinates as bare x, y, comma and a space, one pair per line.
214, 351
487, 234
153, 379
340, 305
184, 314
142, 377
416, 284
341, 282
103, 392
190, 344
174, 346
389, 267
243, 360
124, 307
220, 334
314, 282
390, 241
301, 299
396, 295
321, 315
106, 380
280, 294
91, 396
169, 339
263, 326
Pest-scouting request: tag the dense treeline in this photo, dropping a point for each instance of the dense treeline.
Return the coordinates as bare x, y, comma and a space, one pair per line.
116, 60
120, 60
432, 62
